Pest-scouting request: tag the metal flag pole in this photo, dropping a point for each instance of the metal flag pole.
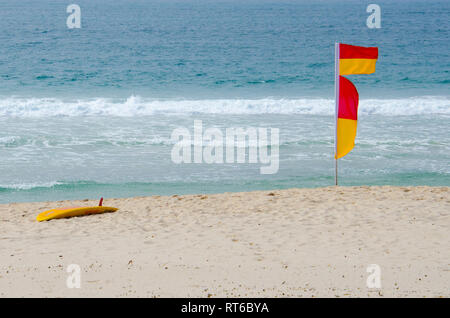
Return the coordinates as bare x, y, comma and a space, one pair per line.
336, 98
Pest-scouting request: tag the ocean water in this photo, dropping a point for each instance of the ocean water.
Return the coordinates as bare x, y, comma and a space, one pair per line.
89, 112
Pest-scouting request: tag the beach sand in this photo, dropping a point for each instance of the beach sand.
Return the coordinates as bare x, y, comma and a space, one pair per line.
280, 243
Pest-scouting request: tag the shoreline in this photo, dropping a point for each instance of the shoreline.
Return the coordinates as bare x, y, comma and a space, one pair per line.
280, 243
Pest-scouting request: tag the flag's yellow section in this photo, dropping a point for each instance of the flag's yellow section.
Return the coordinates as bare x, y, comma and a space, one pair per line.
346, 133
357, 66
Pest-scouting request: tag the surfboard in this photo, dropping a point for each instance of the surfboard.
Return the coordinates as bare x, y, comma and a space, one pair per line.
73, 211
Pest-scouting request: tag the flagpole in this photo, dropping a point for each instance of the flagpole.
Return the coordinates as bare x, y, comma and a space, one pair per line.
336, 99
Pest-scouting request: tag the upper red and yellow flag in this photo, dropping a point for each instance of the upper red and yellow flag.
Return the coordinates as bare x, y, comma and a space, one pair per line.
357, 59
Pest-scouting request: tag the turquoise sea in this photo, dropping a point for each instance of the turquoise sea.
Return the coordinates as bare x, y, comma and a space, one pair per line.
89, 112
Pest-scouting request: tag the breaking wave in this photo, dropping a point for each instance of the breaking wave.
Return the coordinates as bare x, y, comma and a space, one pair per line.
138, 106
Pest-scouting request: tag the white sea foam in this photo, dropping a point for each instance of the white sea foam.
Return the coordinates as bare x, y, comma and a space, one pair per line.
137, 106
29, 186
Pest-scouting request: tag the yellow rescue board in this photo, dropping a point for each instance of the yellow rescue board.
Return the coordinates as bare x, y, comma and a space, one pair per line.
69, 212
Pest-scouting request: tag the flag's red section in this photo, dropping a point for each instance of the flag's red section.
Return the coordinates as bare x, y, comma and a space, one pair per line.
347, 51
348, 99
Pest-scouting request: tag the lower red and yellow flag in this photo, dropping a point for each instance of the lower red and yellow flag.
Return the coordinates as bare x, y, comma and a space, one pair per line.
346, 118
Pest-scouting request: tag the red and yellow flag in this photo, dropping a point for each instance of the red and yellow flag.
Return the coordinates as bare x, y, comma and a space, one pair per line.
347, 117
357, 59
352, 60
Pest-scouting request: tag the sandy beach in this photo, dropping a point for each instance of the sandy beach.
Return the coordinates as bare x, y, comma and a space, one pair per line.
281, 243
